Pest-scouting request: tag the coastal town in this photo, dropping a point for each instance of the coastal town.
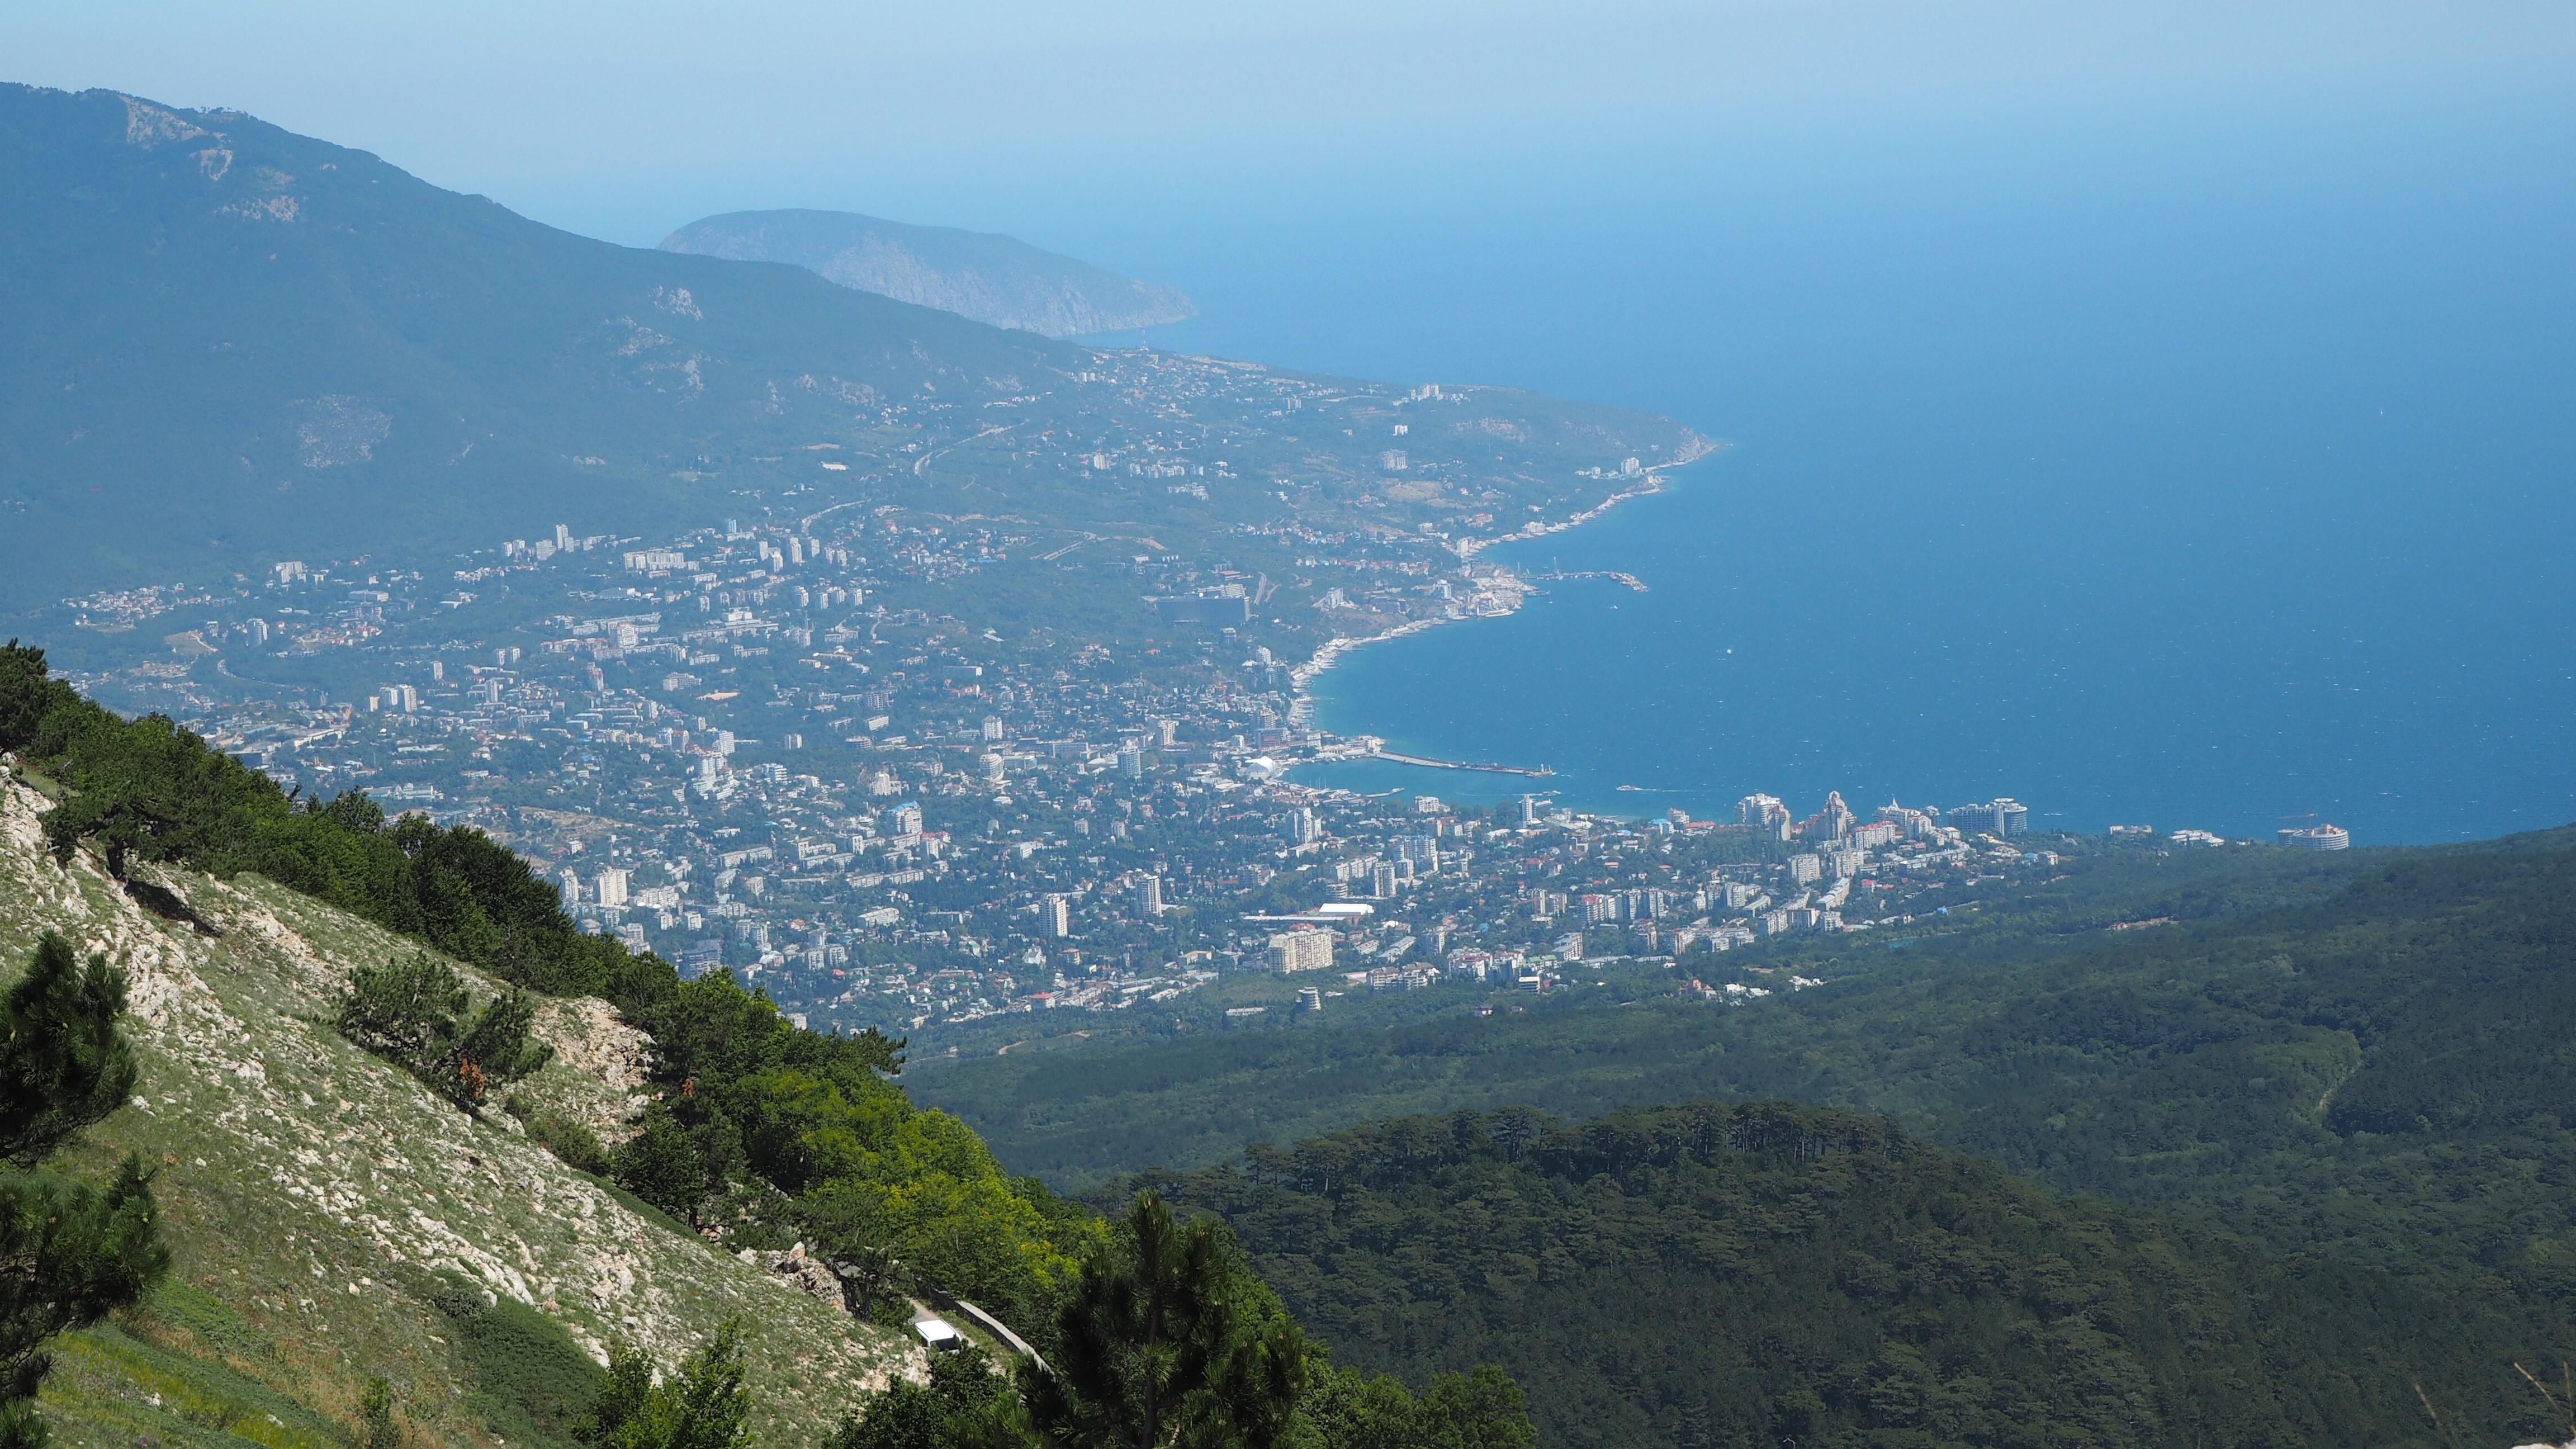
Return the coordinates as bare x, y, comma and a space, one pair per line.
905, 763
736, 755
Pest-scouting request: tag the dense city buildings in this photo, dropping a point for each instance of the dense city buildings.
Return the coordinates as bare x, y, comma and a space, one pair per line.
851, 756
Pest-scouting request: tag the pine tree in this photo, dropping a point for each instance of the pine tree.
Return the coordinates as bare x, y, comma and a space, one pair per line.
962, 1407
707, 1406
64, 1065
27, 694
1167, 1338
70, 1253
408, 1013
661, 1165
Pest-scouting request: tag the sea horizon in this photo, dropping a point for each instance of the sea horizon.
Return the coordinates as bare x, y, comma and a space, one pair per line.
2189, 508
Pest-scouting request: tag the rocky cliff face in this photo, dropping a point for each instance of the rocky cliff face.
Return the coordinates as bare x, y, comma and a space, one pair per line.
989, 278
314, 1196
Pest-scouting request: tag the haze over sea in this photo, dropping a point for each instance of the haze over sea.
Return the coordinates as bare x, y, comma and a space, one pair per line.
2159, 411
2212, 474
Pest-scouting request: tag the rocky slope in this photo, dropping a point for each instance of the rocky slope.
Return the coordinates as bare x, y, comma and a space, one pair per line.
989, 278
318, 1200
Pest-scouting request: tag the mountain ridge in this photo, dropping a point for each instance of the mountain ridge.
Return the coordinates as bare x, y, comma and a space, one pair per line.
224, 346
225, 343
981, 275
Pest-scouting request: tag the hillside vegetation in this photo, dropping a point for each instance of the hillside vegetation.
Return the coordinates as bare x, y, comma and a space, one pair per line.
588, 1260
2362, 1074
2325, 1070
332, 1219
267, 345
1701, 1275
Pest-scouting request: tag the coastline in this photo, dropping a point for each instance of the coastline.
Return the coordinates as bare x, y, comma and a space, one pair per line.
1503, 591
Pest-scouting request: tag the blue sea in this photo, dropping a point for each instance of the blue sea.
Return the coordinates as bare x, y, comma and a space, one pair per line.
2222, 479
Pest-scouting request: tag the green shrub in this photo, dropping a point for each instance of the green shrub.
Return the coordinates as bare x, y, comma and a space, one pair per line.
376, 1415
412, 1013
575, 1144
526, 1378
705, 1406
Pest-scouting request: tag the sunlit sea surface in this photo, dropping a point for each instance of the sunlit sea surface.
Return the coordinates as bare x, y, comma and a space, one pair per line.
2188, 498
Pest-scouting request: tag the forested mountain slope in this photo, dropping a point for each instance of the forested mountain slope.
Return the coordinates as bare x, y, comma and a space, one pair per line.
1082, 1110
224, 345
222, 342
2325, 1070
333, 1220
1702, 1275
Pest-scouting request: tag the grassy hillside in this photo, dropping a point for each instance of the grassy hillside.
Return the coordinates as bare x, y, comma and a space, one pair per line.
1701, 1275
333, 1220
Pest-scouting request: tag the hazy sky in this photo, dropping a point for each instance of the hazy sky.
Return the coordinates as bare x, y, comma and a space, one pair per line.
627, 119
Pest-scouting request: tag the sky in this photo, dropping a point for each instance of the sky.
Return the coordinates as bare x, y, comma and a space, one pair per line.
1097, 123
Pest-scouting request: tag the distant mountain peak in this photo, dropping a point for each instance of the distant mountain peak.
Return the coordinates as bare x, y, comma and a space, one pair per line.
990, 278
148, 125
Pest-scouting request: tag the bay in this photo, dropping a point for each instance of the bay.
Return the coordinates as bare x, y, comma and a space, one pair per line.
2183, 496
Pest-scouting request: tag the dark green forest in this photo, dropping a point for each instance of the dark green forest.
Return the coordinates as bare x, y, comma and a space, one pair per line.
1703, 1275
2379, 1067
2346, 1082
1131, 1098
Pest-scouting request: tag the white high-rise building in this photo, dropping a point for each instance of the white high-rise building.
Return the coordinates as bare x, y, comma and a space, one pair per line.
1149, 895
1055, 916
1309, 949
1766, 814
610, 887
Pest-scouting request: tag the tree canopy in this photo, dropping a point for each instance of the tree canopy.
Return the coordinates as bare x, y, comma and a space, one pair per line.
71, 1252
